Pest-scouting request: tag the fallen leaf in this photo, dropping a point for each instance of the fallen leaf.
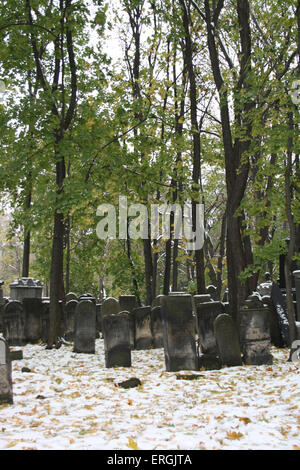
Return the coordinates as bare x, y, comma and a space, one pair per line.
132, 444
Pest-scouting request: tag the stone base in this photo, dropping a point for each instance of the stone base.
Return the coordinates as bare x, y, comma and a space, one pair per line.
209, 362
16, 355
118, 357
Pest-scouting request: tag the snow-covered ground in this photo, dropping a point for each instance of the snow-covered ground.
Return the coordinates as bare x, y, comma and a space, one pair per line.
71, 401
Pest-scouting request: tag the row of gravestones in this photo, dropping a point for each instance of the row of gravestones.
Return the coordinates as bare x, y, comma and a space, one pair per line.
170, 324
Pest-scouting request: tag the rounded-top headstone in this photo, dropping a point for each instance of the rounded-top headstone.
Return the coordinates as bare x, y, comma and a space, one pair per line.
71, 296
110, 306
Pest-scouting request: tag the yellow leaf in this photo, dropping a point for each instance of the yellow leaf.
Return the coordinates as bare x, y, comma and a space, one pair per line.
245, 420
234, 435
11, 444
132, 444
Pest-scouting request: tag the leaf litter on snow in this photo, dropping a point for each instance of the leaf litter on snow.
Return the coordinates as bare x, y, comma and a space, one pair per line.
71, 401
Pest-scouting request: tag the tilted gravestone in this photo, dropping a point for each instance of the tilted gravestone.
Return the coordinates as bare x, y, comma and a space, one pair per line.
33, 323
6, 389
69, 319
199, 299
157, 328
143, 333
207, 312
179, 333
227, 340
281, 311
128, 303
255, 333
14, 323
116, 334
85, 327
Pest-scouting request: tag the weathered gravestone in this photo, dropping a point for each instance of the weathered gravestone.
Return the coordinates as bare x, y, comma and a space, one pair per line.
143, 333
281, 311
275, 333
26, 287
255, 333
128, 303
33, 324
85, 327
227, 341
69, 319
157, 301
6, 390
199, 299
207, 312
157, 328
116, 334
98, 318
212, 291
71, 296
14, 323
179, 333
87, 296
45, 320
110, 306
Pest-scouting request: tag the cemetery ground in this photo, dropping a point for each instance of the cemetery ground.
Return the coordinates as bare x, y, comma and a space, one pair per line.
69, 401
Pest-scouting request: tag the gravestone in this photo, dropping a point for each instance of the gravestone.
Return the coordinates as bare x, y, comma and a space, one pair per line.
207, 312
45, 320
157, 328
6, 389
179, 333
227, 341
199, 299
143, 333
87, 296
33, 324
110, 306
14, 323
281, 311
69, 319
71, 296
296, 275
98, 318
212, 291
128, 303
116, 334
275, 333
26, 287
255, 333
85, 327
157, 301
